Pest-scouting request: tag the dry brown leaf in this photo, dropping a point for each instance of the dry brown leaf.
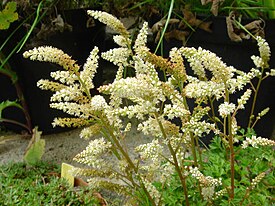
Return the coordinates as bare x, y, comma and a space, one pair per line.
191, 19
153, 11
244, 35
206, 26
176, 34
90, 22
230, 28
160, 24
215, 6
237, 34
100, 198
157, 37
256, 28
78, 182
204, 2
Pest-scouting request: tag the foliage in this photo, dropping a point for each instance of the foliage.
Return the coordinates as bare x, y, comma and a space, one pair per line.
7, 104
35, 149
250, 163
37, 185
8, 15
148, 8
176, 113
248, 8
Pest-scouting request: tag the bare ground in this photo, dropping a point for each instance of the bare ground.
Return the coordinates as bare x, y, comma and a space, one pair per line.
60, 147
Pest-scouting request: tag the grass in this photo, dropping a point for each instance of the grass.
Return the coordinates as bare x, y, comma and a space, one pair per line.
39, 185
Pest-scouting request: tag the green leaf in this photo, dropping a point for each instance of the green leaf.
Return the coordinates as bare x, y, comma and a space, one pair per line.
66, 174
35, 149
6, 104
8, 15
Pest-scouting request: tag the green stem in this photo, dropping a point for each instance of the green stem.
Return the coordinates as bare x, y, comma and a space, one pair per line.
231, 148
6, 70
36, 20
193, 149
245, 196
193, 145
120, 148
232, 156
166, 24
214, 117
255, 99
24, 106
128, 159
200, 153
177, 167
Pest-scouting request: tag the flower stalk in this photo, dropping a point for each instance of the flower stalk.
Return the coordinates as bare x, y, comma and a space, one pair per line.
175, 162
171, 151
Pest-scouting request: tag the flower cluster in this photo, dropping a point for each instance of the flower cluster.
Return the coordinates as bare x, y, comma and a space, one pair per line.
174, 114
140, 43
93, 153
175, 110
69, 122
98, 103
150, 127
204, 89
256, 141
110, 21
264, 53
89, 69
151, 151
65, 77
90, 131
242, 79
257, 180
244, 98
118, 56
226, 109
201, 60
45, 84
207, 183
220, 193
152, 190
54, 55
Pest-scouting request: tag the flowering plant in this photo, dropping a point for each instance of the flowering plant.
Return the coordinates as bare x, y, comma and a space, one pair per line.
175, 114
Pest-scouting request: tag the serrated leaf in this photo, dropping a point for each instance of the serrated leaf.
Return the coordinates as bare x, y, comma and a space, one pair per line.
8, 15
35, 149
6, 104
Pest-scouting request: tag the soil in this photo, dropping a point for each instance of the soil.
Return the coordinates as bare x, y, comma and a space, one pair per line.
60, 147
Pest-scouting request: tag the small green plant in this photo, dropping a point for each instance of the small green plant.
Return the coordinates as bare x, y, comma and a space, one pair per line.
39, 185
8, 15
35, 149
172, 167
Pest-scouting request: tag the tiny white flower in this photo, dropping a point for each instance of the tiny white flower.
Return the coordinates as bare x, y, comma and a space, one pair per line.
226, 109
98, 103
255, 141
